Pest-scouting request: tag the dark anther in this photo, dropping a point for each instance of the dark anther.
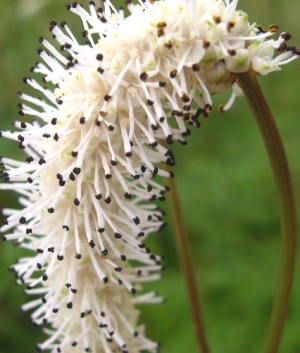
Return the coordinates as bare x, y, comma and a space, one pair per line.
206, 43
22, 220
105, 279
78, 256
92, 244
143, 169
160, 32
42, 161
117, 235
173, 73
231, 52
143, 76
65, 227
60, 257
107, 200
162, 84
69, 305
153, 145
98, 196
150, 102
104, 252
285, 36
100, 70
136, 220
133, 290
273, 28
230, 25
45, 277
154, 127
123, 257
127, 195
74, 154
76, 170
161, 24
82, 120
99, 57
107, 97
169, 44
51, 249
118, 269
29, 159
282, 47
128, 154
185, 98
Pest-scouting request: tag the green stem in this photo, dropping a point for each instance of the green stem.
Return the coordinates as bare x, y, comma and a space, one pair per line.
279, 164
186, 265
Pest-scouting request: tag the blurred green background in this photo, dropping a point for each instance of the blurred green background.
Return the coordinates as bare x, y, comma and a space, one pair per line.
226, 191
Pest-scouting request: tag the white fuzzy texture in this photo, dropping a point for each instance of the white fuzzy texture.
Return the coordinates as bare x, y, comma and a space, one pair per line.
92, 157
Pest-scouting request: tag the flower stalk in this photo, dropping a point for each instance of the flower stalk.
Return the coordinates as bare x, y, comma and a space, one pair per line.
278, 161
187, 268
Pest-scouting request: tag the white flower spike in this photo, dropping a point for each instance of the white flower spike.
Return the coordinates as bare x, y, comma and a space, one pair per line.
92, 155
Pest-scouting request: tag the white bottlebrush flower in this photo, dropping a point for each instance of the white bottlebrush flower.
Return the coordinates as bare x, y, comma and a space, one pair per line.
93, 154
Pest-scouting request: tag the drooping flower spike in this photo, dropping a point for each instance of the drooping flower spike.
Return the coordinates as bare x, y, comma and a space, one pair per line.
87, 180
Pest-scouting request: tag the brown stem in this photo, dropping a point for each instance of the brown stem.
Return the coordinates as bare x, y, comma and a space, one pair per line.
283, 183
186, 265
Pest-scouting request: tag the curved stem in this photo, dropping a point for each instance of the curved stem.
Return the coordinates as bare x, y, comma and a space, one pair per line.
279, 164
186, 265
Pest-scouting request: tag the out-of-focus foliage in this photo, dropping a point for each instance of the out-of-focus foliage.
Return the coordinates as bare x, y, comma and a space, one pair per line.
227, 195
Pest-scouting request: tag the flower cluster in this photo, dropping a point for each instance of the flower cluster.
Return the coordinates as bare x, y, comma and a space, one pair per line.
93, 154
